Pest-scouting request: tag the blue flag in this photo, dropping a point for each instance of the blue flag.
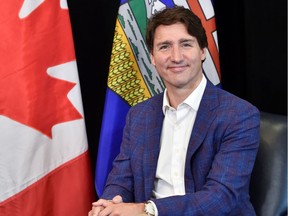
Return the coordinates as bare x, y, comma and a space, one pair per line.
132, 78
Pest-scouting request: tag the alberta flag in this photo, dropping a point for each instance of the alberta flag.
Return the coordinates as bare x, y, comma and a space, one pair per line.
44, 161
132, 78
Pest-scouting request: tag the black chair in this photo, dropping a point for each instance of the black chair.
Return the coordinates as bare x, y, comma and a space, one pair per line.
268, 187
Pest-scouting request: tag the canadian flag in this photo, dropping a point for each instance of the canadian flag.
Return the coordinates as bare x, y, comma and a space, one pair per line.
44, 161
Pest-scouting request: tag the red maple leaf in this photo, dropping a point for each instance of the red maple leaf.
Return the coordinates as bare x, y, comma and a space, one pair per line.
28, 47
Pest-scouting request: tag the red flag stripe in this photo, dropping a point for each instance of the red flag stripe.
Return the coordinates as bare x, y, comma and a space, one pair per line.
62, 188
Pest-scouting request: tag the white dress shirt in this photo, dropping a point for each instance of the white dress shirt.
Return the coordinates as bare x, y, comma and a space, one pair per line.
176, 131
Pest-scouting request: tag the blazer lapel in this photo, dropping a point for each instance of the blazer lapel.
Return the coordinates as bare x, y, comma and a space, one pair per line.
205, 116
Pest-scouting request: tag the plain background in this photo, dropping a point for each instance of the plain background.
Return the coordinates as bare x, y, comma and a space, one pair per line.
252, 37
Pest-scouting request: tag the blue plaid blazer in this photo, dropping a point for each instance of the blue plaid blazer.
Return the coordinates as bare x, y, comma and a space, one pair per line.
220, 157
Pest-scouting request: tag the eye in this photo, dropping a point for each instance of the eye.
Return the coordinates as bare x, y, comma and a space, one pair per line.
186, 44
163, 47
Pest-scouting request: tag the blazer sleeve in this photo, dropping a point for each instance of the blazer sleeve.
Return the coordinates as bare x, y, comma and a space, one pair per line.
120, 179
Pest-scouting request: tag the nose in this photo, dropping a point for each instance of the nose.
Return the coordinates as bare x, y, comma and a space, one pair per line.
176, 54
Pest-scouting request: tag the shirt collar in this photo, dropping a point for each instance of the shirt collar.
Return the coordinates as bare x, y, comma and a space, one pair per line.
193, 100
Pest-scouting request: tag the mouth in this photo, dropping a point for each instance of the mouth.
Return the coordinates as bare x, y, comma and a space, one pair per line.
177, 68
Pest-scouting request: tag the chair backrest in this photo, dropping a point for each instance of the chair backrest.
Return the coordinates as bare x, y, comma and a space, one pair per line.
268, 187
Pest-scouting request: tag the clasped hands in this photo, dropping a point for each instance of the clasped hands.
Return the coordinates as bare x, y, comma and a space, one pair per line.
116, 207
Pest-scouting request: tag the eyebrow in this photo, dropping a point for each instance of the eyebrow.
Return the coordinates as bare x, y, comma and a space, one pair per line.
187, 40
184, 40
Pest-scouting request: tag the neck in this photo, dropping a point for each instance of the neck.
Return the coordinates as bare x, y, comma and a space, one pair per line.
177, 95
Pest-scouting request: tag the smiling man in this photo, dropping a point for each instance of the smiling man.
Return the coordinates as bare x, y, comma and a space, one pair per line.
189, 150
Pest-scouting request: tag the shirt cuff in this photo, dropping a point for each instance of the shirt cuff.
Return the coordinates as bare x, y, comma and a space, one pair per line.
155, 207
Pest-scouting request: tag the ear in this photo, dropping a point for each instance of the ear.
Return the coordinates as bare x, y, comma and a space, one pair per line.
203, 54
152, 59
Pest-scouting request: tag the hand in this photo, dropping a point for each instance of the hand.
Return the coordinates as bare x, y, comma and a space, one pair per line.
115, 207
122, 209
98, 206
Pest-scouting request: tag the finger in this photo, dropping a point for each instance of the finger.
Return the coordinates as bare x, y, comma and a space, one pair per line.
106, 211
117, 199
91, 213
106, 203
99, 202
95, 211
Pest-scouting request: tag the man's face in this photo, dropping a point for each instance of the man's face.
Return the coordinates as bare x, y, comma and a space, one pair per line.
177, 57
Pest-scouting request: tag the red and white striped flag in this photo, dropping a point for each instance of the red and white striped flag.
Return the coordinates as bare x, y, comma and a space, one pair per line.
44, 161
